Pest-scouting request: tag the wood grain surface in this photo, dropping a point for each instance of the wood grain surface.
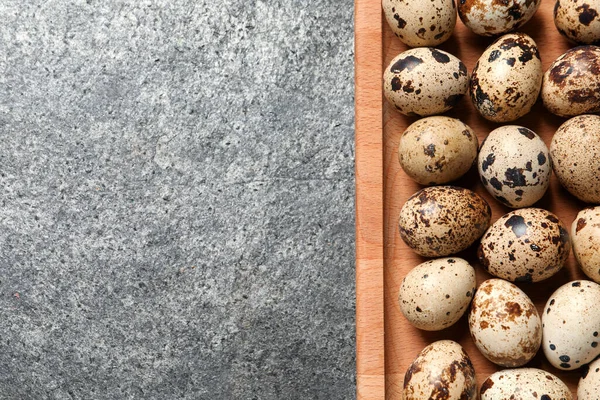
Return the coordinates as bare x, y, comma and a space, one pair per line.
382, 188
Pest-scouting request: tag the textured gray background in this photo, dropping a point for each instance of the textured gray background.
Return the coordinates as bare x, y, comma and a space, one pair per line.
176, 189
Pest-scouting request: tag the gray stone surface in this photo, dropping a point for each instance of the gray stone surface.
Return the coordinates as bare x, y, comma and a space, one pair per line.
176, 199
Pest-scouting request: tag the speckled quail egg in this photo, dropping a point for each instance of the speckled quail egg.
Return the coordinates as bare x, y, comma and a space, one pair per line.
524, 384
424, 81
435, 294
493, 17
442, 370
585, 239
575, 152
514, 166
571, 325
421, 23
437, 150
525, 245
589, 384
442, 220
570, 85
504, 323
507, 78
578, 21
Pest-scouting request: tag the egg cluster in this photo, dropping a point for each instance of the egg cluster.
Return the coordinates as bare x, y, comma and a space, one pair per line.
526, 245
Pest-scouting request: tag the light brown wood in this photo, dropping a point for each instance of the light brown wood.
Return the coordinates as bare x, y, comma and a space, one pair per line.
370, 372
382, 188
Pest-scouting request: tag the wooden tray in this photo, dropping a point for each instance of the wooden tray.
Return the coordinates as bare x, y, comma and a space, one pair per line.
386, 342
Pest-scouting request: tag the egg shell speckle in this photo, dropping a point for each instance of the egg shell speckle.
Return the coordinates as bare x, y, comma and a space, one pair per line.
442, 370
525, 245
437, 150
589, 384
569, 85
494, 17
424, 81
571, 325
578, 21
585, 239
435, 294
507, 78
575, 152
420, 23
514, 166
504, 323
524, 384
442, 220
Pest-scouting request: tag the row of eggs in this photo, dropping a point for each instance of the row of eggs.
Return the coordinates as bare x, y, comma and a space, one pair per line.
504, 84
431, 22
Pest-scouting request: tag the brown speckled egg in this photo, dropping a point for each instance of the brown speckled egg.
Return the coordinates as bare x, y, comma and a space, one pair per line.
575, 152
421, 23
578, 20
435, 294
570, 84
571, 325
585, 239
589, 384
442, 370
524, 384
437, 150
514, 166
442, 220
504, 324
525, 245
424, 81
493, 17
507, 78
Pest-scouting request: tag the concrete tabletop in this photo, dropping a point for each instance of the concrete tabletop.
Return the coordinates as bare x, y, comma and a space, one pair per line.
176, 199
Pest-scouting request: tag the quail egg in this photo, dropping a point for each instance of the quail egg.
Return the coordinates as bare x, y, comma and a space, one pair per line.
424, 81
571, 325
578, 21
575, 152
442, 370
420, 23
524, 384
507, 78
504, 324
525, 245
442, 220
589, 384
570, 85
514, 166
493, 17
585, 233
437, 150
435, 294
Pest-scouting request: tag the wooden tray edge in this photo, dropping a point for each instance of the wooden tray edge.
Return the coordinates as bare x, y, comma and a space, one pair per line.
370, 344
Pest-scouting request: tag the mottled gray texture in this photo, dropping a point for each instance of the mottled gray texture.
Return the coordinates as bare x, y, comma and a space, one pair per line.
176, 199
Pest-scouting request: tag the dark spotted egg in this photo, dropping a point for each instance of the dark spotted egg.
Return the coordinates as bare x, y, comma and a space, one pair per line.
507, 78
570, 85
437, 150
571, 325
585, 234
525, 245
589, 384
442, 370
578, 20
495, 17
442, 220
504, 324
575, 152
435, 294
525, 384
514, 166
420, 23
424, 81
